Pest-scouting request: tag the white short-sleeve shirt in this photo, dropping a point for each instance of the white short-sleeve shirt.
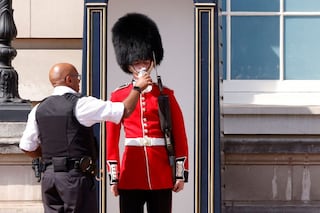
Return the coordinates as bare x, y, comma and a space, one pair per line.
89, 110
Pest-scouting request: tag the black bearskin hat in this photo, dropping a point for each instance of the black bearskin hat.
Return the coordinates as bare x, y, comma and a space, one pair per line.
135, 37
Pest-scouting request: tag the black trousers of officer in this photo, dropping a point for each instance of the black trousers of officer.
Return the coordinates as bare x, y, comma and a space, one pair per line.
158, 201
64, 192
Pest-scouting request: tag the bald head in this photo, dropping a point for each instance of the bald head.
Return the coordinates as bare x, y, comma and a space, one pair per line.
60, 75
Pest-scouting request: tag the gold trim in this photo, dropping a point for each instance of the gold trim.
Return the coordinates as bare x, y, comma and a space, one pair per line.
88, 46
200, 9
197, 123
209, 5
101, 9
94, 4
212, 104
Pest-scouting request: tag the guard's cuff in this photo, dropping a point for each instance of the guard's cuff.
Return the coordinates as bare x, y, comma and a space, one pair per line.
181, 172
113, 172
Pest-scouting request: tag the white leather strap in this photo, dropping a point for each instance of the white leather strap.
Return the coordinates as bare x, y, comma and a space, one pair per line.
146, 141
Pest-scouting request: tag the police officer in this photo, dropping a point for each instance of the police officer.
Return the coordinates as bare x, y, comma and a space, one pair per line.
144, 176
59, 129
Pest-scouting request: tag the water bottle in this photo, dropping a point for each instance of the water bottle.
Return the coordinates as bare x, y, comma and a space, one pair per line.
142, 71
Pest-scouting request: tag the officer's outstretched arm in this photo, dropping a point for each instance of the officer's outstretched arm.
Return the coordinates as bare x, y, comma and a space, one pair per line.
34, 154
131, 101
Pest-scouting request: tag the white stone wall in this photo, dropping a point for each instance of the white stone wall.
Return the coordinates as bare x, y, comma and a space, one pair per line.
20, 191
49, 31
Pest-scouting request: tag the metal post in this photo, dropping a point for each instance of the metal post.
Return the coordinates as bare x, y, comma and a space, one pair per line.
12, 107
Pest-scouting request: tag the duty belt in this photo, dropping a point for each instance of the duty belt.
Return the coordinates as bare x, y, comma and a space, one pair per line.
64, 164
145, 141
70, 164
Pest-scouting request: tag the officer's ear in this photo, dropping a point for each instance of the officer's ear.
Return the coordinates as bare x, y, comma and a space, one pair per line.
68, 79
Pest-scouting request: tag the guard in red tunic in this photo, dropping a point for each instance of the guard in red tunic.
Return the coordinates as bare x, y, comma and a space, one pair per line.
144, 176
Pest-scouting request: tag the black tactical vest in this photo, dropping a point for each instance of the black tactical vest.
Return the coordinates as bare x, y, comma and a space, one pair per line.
61, 134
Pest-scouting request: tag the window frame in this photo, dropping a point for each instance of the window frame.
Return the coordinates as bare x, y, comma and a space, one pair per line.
270, 92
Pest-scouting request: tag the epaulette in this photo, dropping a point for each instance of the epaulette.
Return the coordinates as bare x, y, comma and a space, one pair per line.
122, 86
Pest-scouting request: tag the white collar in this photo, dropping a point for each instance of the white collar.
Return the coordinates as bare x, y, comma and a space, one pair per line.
60, 90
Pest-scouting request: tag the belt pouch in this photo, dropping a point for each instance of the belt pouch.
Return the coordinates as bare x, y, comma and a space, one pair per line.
60, 164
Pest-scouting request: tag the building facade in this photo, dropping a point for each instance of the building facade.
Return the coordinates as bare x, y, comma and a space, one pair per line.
270, 113
266, 57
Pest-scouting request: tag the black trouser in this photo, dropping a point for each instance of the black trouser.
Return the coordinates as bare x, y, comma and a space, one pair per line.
64, 192
158, 201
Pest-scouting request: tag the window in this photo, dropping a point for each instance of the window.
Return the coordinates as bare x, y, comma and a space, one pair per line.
271, 39
270, 51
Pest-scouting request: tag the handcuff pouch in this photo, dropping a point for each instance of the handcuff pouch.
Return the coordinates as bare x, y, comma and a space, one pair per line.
87, 165
60, 164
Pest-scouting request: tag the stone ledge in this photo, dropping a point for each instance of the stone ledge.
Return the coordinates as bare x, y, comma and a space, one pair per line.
253, 109
272, 147
272, 119
272, 209
10, 134
9, 141
21, 207
270, 159
15, 159
15, 112
10, 149
262, 144
11, 129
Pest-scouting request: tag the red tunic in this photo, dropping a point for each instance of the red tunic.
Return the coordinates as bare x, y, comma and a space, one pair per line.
145, 167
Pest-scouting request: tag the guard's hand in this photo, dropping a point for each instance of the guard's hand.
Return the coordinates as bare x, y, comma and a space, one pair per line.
114, 190
144, 81
178, 186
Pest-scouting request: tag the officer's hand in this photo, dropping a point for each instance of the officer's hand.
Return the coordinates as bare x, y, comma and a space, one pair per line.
178, 186
114, 190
